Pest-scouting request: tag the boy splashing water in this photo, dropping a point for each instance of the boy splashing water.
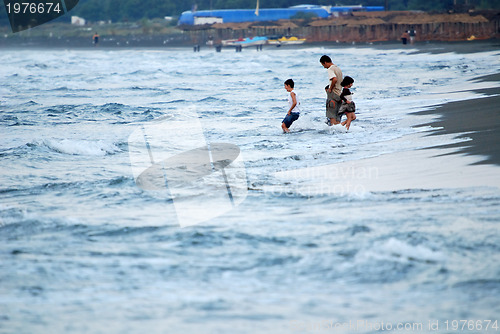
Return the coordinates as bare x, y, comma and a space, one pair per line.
293, 107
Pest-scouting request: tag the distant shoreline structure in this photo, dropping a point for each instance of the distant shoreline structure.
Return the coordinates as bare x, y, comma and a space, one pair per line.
359, 26
356, 27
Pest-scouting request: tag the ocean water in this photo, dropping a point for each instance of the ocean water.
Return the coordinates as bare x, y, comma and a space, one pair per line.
411, 246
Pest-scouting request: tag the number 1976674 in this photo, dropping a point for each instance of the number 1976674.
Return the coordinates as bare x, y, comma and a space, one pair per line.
33, 8
471, 325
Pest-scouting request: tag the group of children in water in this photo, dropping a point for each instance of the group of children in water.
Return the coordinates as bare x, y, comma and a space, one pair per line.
338, 102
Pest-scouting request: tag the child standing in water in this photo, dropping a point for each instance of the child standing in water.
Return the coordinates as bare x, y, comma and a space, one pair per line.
293, 107
348, 107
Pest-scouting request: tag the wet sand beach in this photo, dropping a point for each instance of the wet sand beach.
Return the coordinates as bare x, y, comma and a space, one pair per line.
477, 119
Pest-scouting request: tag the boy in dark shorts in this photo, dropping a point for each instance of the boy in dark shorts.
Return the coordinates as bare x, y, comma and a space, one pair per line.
293, 107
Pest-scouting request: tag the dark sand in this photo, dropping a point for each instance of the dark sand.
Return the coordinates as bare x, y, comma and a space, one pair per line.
478, 119
436, 47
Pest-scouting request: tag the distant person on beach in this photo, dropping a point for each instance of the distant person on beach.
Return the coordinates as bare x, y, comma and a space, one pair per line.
333, 90
347, 107
95, 39
405, 37
412, 34
293, 107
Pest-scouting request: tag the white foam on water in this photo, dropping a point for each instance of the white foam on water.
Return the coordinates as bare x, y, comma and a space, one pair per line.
81, 147
396, 250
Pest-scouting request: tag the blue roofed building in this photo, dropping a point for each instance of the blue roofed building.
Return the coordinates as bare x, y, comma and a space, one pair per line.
265, 14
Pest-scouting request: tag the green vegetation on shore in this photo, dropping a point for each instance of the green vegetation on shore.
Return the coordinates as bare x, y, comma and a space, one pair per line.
136, 10
156, 32
119, 10
64, 30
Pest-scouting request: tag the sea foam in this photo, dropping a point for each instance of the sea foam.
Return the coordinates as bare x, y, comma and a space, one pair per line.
81, 147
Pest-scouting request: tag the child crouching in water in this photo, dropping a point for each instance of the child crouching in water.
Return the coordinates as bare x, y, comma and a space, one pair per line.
293, 107
348, 107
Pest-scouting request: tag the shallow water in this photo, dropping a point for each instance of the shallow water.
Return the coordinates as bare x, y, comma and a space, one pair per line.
84, 249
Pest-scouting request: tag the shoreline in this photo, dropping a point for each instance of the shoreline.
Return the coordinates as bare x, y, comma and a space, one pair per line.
477, 119
182, 40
